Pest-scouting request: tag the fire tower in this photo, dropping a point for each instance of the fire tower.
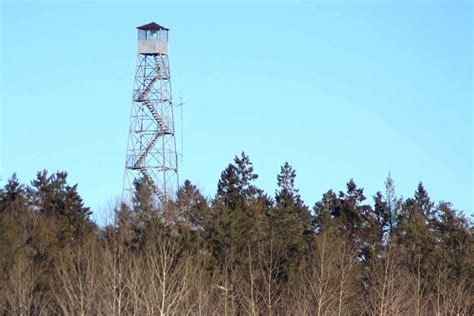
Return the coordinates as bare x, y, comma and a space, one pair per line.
151, 150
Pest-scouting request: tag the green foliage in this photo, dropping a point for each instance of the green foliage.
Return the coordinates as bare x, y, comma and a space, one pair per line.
290, 222
243, 252
233, 211
355, 220
12, 197
193, 207
454, 242
53, 197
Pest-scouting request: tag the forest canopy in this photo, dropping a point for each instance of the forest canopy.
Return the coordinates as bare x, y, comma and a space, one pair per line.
242, 251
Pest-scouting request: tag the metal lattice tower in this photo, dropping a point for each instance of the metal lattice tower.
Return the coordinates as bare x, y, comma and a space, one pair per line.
151, 150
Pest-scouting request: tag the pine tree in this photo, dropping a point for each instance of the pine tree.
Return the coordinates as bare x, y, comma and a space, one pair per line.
193, 207
232, 209
382, 215
13, 218
290, 219
54, 198
386, 209
12, 196
286, 184
235, 187
287, 196
393, 203
414, 229
422, 200
142, 199
417, 245
228, 191
323, 212
355, 220
451, 231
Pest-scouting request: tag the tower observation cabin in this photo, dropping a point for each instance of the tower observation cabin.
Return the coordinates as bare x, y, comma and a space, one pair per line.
152, 39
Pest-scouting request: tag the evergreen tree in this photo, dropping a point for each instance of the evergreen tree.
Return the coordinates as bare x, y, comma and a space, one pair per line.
451, 231
417, 244
386, 209
12, 196
193, 207
423, 202
235, 187
286, 184
13, 214
228, 191
232, 210
142, 199
290, 219
53, 197
235, 212
382, 215
354, 220
287, 196
414, 228
393, 203
323, 212
246, 177
143, 213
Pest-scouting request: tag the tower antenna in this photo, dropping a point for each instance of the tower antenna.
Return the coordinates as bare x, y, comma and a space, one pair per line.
181, 103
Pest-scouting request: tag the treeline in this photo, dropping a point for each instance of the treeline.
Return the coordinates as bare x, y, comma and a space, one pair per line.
242, 252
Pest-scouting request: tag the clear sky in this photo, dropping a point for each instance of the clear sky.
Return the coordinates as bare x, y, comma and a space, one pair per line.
339, 89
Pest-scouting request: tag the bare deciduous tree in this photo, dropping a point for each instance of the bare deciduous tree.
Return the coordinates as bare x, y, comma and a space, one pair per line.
166, 281
387, 288
77, 279
115, 295
18, 288
453, 297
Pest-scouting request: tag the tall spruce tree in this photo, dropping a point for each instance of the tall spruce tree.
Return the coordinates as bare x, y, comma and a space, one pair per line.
12, 196
233, 210
393, 202
192, 207
56, 199
13, 223
323, 212
423, 202
416, 242
290, 220
382, 215
454, 242
235, 187
386, 209
355, 220
142, 199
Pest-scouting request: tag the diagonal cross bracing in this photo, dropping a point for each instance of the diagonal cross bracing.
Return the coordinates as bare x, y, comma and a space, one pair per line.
151, 152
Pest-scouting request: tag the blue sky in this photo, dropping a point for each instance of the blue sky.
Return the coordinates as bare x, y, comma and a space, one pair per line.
339, 89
